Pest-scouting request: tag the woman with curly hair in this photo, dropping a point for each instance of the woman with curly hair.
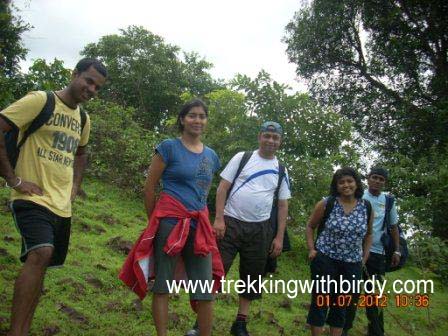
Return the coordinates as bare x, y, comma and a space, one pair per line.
344, 223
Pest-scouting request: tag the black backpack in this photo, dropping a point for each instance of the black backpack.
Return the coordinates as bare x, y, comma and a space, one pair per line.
387, 241
329, 205
11, 137
271, 263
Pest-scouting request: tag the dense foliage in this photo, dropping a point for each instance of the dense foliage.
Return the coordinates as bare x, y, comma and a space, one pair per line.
148, 74
12, 51
384, 65
120, 149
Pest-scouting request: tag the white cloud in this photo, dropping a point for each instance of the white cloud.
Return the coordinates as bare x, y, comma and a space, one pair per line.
237, 36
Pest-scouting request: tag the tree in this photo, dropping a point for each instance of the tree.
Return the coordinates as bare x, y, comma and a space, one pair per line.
11, 52
146, 73
382, 63
197, 81
43, 76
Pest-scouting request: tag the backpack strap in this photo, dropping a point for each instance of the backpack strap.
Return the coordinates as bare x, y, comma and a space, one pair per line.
329, 205
83, 117
44, 115
246, 156
368, 205
281, 176
389, 204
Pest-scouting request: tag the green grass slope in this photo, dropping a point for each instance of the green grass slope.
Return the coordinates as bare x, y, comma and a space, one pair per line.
86, 298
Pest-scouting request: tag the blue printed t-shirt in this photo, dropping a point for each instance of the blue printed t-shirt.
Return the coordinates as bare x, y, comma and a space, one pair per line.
187, 175
379, 210
343, 234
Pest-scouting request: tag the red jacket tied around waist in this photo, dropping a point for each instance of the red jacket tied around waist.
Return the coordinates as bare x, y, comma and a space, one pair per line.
138, 268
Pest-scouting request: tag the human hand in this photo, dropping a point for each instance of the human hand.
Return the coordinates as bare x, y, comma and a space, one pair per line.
219, 226
395, 260
29, 188
312, 254
276, 247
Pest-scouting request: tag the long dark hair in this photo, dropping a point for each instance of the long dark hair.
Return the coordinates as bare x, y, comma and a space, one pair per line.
346, 171
186, 108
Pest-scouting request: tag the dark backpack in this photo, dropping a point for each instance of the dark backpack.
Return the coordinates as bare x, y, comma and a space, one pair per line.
329, 205
387, 241
11, 137
271, 263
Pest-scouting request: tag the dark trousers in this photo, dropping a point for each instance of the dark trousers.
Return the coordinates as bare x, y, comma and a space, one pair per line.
323, 266
375, 266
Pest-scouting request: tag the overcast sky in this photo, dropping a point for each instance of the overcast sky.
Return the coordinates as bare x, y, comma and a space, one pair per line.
237, 36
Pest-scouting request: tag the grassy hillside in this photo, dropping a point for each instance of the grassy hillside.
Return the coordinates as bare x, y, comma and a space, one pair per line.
86, 298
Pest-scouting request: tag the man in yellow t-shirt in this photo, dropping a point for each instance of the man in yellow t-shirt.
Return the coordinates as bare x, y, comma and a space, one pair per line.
45, 180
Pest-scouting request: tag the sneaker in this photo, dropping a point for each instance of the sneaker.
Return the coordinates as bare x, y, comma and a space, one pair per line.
193, 331
239, 329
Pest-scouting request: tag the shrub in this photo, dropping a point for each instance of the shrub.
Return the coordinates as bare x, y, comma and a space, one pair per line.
120, 149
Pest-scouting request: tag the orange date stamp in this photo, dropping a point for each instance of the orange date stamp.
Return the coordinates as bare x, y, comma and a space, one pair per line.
373, 300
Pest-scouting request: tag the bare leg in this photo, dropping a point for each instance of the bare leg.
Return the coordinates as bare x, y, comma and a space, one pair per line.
316, 331
205, 317
27, 325
335, 331
244, 305
27, 290
160, 313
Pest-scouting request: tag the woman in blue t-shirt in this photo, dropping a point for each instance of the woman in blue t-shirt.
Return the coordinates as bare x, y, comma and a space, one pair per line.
340, 250
186, 168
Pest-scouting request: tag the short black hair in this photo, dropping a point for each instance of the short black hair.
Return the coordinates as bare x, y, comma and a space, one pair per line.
186, 108
346, 171
86, 63
379, 171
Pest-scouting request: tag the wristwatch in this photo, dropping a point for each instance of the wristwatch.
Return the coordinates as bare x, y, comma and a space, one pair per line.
398, 253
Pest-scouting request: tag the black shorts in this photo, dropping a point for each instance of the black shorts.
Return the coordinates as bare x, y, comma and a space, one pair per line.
252, 241
40, 227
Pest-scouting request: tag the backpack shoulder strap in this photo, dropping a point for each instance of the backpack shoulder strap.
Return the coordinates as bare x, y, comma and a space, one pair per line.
369, 208
329, 205
83, 117
246, 156
281, 176
389, 204
43, 116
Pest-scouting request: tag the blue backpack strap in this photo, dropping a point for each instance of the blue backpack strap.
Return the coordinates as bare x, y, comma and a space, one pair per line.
246, 156
44, 115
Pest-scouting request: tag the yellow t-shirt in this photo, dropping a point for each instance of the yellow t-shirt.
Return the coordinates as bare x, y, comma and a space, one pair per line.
46, 158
